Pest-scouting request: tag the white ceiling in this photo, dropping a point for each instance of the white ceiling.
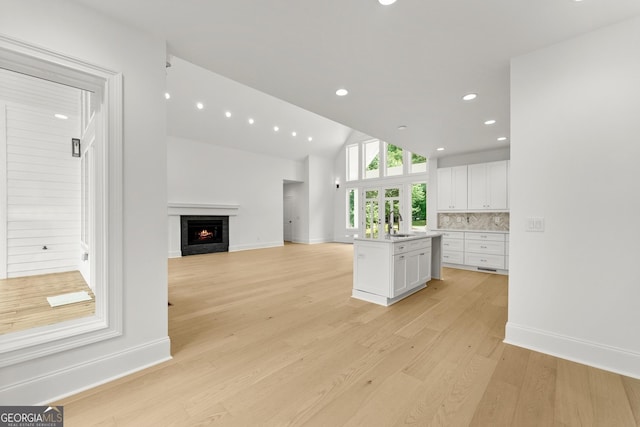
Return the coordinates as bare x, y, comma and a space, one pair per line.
405, 64
188, 84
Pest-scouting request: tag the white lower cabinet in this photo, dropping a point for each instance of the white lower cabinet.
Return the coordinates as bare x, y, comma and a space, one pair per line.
386, 272
453, 247
477, 250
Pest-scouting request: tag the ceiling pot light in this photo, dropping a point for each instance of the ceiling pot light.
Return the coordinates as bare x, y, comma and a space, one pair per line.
342, 92
276, 128
402, 127
251, 121
199, 105
60, 116
490, 122
386, 2
310, 139
167, 95
502, 138
470, 97
440, 149
294, 133
227, 114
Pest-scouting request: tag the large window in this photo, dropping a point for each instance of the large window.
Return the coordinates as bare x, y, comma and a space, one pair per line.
371, 214
352, 208
396, 181
418, 206
418, 163
394, 160
353, 162
371, 159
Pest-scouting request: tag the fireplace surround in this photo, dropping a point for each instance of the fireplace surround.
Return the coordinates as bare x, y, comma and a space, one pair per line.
203, 234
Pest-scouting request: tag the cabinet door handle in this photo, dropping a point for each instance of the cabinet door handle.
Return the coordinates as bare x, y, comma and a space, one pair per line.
422, 253
402, 257
483, 247
401, 247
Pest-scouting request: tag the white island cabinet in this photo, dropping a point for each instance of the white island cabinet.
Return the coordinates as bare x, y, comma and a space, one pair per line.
386, 271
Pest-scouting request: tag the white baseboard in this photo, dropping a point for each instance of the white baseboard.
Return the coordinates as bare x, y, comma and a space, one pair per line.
318, 240
477, 269
175, 254
600, 356
74, 379
246, 247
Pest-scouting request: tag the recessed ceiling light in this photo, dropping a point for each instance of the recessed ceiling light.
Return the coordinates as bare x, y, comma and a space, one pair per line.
294, 133
167, 95
440, 149
60, 116
199, 105
276, 128
310, 139
470, 96
490, 122
386, 2
342, 92
402, 127
251, 121
502, 138
227, 114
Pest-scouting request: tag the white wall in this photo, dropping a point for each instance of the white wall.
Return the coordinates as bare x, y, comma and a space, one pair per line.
200, 172
66, 27
574, 289
322, 191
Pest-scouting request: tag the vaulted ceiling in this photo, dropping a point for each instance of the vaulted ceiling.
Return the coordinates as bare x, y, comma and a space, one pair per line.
407, 64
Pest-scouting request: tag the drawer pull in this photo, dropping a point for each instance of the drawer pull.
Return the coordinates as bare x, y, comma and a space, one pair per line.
402, 257
401, 247
422, 253
483, 247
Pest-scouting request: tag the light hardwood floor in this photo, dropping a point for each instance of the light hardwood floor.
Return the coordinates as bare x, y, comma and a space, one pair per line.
24, 305
272, 338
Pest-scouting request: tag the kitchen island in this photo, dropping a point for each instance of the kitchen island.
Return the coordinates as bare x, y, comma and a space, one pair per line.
390, 269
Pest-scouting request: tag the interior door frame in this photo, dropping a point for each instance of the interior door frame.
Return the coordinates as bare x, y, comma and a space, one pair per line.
3, 191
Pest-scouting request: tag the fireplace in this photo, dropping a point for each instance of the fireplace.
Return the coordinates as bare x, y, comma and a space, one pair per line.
204, 234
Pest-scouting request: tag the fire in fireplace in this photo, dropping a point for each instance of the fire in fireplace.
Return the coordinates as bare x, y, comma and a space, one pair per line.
204, 234
204, 231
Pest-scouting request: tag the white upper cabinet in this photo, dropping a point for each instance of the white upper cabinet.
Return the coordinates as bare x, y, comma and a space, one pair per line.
488, 186
452, 188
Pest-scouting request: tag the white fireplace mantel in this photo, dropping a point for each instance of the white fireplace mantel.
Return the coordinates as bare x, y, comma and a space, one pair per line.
175, 210
202, 209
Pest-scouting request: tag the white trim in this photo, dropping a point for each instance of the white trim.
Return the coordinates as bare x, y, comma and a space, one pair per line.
107, 257
382, 300
70, 380
3, 191
476, 269
589, 353
247, 247
202, 209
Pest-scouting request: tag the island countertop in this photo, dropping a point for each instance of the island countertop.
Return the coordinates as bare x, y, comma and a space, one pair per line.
394, 238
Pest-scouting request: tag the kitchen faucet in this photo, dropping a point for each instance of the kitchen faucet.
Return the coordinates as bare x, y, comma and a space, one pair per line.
390, 229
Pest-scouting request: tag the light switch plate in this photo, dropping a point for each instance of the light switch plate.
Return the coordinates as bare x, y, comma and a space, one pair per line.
535, 224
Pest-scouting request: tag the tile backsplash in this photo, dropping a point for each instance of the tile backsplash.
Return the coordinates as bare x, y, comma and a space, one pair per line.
489, 221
